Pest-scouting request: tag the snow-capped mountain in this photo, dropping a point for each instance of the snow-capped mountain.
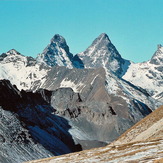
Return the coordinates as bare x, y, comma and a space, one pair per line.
148, 75
21, 70
57, 54
95, 102
102, 53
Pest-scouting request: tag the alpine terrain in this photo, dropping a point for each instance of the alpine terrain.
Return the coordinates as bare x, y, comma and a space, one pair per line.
142, 143
59, 103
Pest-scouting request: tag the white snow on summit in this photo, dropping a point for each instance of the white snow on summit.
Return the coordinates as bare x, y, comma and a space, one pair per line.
20, 70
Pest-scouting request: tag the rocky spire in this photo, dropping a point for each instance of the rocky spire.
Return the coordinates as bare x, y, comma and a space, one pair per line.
56, 53
102, 53
157, 58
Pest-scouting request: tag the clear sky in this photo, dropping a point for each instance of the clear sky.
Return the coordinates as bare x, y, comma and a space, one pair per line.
135, 27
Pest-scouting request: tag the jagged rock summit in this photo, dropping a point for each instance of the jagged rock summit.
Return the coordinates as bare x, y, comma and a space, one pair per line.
57, 54
157, 58
102, 53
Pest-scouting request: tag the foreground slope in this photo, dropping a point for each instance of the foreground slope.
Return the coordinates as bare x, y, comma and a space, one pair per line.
128, 148
151, 127
138, 152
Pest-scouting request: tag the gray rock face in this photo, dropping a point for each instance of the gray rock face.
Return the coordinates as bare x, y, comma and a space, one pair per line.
102, 53
83, 97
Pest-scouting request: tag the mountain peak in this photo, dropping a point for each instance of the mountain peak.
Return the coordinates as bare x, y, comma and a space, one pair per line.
160, 47
102, 40
58, 39
13, 52
103, 36
102, 53
56, 53
157, 58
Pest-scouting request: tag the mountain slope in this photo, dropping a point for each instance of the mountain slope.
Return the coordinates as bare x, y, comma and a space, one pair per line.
91, 105
148, 75
148, 128
143, 151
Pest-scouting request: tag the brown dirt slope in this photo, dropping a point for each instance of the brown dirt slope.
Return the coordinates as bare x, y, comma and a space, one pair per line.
151, 127
136, 152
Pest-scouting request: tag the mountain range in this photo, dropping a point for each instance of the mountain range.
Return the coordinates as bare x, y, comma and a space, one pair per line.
62, 103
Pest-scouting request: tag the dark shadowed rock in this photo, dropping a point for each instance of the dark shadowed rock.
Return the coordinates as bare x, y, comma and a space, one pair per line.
29, 128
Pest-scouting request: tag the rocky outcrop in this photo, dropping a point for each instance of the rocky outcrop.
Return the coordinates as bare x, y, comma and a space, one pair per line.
141, 143
95, 114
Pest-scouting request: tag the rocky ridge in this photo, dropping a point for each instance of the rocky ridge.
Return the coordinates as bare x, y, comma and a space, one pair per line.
22, 71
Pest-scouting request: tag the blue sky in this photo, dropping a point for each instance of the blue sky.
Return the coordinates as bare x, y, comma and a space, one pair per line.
135, 27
